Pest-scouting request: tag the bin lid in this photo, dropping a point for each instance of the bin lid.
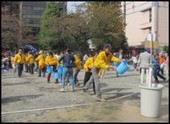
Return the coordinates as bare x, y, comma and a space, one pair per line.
153, 86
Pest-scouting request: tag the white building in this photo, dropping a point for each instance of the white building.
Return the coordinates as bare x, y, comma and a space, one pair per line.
143, 18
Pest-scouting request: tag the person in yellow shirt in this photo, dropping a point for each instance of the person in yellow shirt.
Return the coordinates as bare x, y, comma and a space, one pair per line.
41, 63
101, 62
101, 73
77, 69
26, 63
51, 60
19, 60
88, 66
30, 61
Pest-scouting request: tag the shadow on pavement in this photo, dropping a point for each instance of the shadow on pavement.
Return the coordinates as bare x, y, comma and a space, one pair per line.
48, 89
11, 84
128, 75
116, 95
17, 98
112, 89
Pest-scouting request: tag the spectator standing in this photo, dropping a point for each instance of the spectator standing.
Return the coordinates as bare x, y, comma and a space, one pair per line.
166, 66
144, 62
161, 60
135, 62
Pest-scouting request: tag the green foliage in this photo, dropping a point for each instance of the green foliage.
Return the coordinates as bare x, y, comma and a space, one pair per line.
102, 22
52, 9
45, 36
106, 24
166, 48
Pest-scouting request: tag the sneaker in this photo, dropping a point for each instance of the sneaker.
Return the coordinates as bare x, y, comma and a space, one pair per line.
101, 99
62, 90
56, 82
117, 75
85, 90
157, 81
166, 79
77, 84
72, 89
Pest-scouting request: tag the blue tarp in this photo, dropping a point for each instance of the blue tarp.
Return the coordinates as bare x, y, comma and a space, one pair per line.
27, 48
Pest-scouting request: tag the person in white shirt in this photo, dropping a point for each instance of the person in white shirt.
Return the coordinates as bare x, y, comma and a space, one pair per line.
144, 62
135, 62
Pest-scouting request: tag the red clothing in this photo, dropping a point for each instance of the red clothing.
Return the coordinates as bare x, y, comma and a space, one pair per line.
161, 59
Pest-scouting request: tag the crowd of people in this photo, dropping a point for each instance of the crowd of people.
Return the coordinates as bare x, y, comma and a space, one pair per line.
66, 66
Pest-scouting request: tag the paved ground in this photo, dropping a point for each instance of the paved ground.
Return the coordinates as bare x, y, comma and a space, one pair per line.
31, 99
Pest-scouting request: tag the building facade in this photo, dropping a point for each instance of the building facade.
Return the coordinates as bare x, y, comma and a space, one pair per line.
32, 11
142, 18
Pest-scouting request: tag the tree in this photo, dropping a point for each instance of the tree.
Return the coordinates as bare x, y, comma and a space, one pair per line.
66, 31
51, 10
9, 29
166, 48
14, 32
106, 23
75, 28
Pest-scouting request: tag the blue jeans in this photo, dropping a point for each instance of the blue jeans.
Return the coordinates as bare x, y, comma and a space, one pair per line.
64, 74
60, 70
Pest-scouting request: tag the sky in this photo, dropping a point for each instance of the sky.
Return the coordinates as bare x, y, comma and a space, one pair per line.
71, 5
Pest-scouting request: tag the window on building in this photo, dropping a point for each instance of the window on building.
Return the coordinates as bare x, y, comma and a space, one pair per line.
150, 15
149, 29
155, 4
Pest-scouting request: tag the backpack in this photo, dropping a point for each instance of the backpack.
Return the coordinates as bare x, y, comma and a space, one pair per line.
69, 61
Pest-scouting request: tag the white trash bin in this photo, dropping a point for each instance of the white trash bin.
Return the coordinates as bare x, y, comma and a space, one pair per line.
151, 100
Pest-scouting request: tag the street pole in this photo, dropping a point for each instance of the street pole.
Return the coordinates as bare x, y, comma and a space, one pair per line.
150, 66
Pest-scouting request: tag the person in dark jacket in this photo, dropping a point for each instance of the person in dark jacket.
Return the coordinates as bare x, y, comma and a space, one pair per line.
156, 69
68, 65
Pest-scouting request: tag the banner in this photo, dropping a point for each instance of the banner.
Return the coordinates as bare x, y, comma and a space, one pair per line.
149, 44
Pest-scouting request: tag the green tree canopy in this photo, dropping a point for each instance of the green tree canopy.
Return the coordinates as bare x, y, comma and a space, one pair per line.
51, 10
106, 23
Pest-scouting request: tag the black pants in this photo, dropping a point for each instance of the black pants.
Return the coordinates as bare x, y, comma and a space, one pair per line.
31, 68
43, 70
20, 69
162, 71
159, 75
26, 67
86, 78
